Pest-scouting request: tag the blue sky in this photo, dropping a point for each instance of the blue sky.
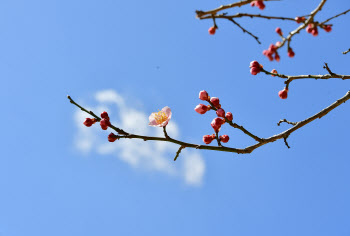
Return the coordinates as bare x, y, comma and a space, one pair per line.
58, 177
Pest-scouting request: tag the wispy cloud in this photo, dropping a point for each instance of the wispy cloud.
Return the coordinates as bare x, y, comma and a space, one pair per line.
151, 156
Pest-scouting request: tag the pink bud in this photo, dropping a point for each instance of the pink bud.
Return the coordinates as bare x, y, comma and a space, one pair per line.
277, 57
279, 31
299, 19
88, 122
278, 43
105, 123
229, 116
309, 28
274, 71
314, 32
254, 64
252, 3
207, 139
272, 48
212, 30
104, 115
215, 101
216, 124
203, 95
220, 112
328, 28
255, 70
224, 138
260, 4
201, 109
112, 137
291, 52
283, 94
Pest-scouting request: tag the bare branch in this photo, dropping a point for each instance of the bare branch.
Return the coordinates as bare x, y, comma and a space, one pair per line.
343, 13
286, 121
345, 52
178, 152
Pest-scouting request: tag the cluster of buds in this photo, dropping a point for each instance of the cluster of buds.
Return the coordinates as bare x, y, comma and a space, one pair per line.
260, 4
104, 123
105, 120
312, 29
300, 19
271, 52
214, 104
207, 139
212, 30
255, 67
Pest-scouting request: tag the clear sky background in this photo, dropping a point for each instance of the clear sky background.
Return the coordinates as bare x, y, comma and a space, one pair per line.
131, 58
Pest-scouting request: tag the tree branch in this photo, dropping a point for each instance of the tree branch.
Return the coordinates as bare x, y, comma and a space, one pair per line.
246, 150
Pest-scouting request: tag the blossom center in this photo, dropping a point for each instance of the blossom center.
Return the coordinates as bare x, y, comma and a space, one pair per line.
160, 117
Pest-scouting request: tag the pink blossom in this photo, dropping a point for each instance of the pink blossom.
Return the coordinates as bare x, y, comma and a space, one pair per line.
160, 118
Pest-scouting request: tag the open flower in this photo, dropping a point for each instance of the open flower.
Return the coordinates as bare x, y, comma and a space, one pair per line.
160, 118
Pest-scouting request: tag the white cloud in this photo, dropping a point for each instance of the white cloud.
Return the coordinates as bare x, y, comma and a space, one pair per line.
145, 155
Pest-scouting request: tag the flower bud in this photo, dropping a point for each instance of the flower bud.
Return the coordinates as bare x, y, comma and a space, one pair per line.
112, 137
224, 138
105, 123
203, 95
277, 57
279, 31
283, 94
254, 64
207, 139
212, 30
291, 52
220, 112
260, 4
216, 124
229, 116
255, 70
88, 122
201, 109
104, 115
328, 28
274, 71
215, 101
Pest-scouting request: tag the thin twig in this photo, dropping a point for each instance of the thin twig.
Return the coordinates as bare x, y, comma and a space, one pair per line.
178, 152
286, 121
343, 13
245, 31
345, 52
